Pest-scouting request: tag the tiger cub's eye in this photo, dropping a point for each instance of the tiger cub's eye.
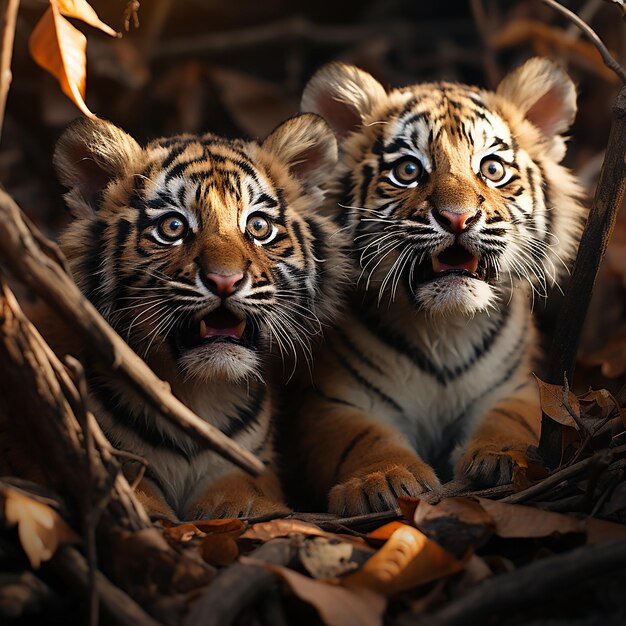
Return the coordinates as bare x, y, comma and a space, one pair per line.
407, 171
259, 227
172, 227
492, 169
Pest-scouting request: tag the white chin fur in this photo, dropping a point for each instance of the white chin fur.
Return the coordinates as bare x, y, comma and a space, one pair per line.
454, 295
220, 361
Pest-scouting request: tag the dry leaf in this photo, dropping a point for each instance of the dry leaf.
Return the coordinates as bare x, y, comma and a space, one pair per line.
264, 531
336, 605
552, 397
518, 521
384, 532
611, 357
458, 524
326, 558
60, 48
82, 10
40, 528
407, 560
220, 549
599, 531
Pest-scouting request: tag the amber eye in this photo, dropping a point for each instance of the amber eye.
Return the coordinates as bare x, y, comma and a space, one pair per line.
492, 169
260, 227
406, 171
172, 227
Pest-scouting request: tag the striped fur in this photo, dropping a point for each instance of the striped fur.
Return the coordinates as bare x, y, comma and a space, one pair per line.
460, 215
158, 234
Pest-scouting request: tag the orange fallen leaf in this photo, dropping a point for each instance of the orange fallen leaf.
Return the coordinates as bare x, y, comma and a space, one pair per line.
407, 560
40, 528
226, 525
384, 532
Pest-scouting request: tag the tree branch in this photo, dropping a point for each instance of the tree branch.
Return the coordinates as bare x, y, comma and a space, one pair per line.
9, 18
21, 254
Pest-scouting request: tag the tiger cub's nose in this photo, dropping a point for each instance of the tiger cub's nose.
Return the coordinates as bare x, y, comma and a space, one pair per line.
454, 222
223, 286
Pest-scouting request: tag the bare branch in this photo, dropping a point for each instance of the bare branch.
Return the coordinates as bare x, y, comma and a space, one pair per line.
8, 35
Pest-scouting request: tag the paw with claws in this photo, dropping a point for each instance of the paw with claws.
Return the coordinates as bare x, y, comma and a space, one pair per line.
488, 464
378, 489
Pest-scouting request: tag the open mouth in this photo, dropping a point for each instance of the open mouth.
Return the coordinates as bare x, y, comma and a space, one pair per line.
221, 325
455, 260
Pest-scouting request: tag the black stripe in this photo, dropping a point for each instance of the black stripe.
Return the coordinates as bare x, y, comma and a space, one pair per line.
365, 382
247, 414
356, 352
346, 451
517, 418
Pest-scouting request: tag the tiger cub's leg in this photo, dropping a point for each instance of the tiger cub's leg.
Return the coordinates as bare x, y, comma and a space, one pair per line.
501, 439
154, 501
360, 464
238, 494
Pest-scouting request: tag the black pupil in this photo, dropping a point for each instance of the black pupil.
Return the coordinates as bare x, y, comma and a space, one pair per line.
175, 225
258, 225
409, 169
493, 168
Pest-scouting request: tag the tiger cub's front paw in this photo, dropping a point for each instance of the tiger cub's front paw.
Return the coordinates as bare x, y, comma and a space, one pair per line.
489, 464
379, 489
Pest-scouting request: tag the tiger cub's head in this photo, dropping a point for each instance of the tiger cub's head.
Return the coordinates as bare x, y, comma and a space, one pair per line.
454, 195
203, 253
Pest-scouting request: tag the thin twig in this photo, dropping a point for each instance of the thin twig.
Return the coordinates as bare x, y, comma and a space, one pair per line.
560, 476
9, 19
609, 61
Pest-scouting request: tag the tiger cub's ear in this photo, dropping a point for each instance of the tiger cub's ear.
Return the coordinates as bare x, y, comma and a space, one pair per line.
342, 95
306, 145
88, 155
544, 93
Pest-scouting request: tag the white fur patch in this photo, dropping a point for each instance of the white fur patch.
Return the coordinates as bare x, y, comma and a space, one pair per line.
220, 361
455, 295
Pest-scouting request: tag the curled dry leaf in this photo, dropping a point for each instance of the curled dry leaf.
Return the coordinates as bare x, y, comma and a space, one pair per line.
60, 48
264, 531
552, 403
220, 549
40, 528
518, 521
407, 560
458, 524
336, 605
326, 559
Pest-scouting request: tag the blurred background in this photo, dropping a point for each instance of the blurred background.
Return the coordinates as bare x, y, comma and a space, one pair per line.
238, 68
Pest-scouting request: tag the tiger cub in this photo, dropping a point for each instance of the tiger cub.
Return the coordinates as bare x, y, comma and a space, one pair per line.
205, 254
459, 212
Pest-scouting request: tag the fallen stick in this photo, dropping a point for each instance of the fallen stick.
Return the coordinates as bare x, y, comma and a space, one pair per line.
22, 255
524, 587
239, 586
117, 606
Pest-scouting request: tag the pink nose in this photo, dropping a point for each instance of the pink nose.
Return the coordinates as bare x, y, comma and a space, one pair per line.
454, 222
224, 286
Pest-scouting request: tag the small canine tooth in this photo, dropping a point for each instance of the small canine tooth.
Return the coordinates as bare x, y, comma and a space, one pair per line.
436, 264
202, 328
241, 327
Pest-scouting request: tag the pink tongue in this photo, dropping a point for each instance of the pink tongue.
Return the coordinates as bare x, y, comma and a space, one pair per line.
221, 323
455, 258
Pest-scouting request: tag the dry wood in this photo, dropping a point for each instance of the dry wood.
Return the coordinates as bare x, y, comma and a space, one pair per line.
116, 606
21, 254
595, 238
239, 586
35, 386
9, 18
536, 581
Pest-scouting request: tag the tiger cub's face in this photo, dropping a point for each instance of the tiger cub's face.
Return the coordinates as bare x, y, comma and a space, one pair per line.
454, 195
203, 253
